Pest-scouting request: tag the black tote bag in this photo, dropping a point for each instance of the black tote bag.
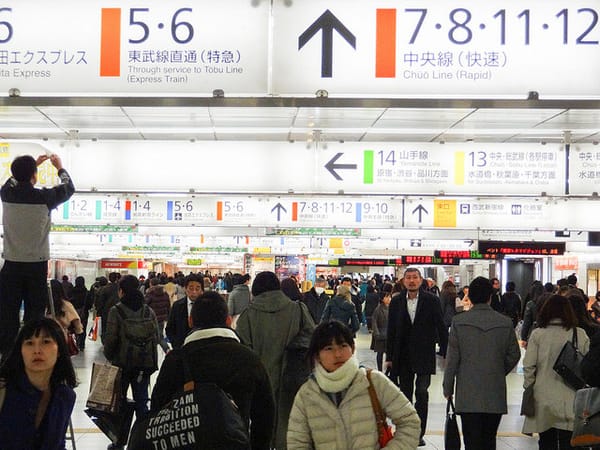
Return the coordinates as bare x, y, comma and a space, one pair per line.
451, 433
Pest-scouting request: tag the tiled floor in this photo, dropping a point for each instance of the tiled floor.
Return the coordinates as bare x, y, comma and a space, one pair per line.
88, 437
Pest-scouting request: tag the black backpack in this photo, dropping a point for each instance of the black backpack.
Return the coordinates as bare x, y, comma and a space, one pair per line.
201, 416
138, 335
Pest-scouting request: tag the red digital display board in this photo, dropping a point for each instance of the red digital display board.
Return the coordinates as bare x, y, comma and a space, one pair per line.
522, 248
464, 254
401, 261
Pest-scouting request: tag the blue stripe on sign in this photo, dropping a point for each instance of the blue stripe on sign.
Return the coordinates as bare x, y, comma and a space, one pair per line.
358, 212
169, 210
127, 214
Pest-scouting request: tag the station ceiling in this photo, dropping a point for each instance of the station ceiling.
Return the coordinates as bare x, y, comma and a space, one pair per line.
299, 119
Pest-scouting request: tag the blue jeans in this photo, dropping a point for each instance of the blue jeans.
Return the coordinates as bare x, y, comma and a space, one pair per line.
139, 383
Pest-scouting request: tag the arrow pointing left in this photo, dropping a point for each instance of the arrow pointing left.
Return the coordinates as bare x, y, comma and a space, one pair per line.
327, 22
331, 166
279, 207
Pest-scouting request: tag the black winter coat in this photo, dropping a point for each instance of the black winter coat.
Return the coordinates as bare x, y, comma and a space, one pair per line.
315, 304
157, 299
413, 344
214, 357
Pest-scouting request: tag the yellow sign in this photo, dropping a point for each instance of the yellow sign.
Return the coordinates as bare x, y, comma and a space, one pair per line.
270, 259
459, 168
444, 213
336, 243
5, 161
263, 250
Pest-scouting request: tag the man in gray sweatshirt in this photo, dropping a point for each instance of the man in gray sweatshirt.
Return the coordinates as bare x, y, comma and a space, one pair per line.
26, 220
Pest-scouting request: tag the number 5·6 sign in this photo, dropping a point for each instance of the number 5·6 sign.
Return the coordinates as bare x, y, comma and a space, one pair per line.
153, 46
438, 48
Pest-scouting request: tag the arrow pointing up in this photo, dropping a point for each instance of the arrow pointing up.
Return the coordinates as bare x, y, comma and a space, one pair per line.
278, 207
327, 22
331, 166
420, 209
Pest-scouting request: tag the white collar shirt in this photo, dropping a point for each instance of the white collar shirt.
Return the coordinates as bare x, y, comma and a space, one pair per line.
411, 306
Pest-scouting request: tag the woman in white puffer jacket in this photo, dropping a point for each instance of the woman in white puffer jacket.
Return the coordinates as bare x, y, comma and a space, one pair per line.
333, 411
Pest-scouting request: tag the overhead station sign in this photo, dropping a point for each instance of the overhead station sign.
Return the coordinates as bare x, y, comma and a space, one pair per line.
584, 169
353, 167
438, 48
258, 211
81, 48
349, 47
344, 215
430, 168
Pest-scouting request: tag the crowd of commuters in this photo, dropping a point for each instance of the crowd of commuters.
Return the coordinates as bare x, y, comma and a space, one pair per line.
411, 327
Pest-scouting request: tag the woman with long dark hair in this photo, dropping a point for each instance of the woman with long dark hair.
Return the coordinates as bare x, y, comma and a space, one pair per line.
82, 300
553, 418
64, 311
38, 379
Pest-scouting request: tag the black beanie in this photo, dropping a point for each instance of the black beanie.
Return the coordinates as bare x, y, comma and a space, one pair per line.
265, 281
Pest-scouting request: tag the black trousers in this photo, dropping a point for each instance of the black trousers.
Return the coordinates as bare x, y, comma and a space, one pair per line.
479, 430
420, 386
555, 439
21, 282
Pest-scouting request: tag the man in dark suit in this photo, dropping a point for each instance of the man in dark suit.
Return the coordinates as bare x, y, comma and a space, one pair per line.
178, 325
415, 324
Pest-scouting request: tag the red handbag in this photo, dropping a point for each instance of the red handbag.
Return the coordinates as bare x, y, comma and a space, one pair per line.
72, 344
383, 428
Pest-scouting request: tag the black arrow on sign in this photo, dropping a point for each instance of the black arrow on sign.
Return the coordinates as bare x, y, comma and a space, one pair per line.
332, 166
278, 207
327, 22
420, 209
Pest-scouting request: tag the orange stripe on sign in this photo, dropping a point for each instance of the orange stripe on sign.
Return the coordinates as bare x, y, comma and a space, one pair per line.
385, 44
219, 210
110, 43
294, 211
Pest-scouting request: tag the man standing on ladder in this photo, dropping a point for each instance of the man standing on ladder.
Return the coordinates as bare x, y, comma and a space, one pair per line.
26, 220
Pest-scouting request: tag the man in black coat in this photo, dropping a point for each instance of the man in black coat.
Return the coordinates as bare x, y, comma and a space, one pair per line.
215, 355
496, 302
316, 299
414, 325
178, 325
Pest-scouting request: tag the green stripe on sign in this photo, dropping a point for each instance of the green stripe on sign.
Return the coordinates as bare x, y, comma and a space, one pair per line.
65, 210
98, 209
368, 166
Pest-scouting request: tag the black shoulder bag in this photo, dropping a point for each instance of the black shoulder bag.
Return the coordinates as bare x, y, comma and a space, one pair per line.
568, 363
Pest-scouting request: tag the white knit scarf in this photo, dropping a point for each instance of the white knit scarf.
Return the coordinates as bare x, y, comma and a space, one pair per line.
339, 379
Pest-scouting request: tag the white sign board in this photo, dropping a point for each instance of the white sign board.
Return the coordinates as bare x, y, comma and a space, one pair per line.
437, 48
584, 169
501, 213
89, 47
288, 168
430, 168
256, 211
